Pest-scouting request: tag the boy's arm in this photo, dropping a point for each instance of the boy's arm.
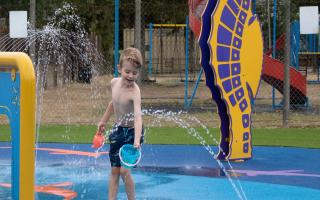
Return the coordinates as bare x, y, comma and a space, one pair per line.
107, 114
105, 118
137, 118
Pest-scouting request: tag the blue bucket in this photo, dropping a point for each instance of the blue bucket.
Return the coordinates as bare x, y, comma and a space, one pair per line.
129, 156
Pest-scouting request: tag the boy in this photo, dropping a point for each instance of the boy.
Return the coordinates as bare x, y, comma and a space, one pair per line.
126, 105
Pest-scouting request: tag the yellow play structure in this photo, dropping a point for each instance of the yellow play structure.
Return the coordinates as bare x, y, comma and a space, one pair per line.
18, 103
231, 56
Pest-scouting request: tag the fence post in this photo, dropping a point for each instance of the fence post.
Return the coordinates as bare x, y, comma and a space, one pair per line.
286, 91
137, 34
137, 25
186, 66
33, 27
150, 50
116, 37
274, 45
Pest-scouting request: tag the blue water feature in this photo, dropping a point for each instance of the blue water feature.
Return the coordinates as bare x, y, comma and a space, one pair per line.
172, 172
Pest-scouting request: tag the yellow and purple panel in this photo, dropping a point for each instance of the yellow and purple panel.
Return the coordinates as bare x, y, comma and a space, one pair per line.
232, 56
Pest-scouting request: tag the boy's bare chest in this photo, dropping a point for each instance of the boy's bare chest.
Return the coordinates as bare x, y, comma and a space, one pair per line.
122, 98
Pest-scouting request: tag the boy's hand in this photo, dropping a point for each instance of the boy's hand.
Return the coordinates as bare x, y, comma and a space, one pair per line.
101, 127
137, 145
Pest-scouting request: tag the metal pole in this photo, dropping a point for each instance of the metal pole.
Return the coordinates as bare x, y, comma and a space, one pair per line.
33, 27
137, 25
150, 50
137, 31
32, 14
269, 25
116, 37
274, 44
195, 88
186, 65
286, 92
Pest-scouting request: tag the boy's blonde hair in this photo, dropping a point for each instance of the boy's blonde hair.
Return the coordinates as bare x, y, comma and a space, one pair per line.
132, 55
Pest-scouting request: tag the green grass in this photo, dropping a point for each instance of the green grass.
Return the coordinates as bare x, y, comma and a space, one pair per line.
293, 137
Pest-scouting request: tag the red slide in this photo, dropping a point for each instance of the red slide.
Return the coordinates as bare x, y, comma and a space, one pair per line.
273, 73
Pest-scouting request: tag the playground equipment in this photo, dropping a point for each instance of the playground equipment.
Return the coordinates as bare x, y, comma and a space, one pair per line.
17, 102
232, 54
305, 53
273, 73
273, 70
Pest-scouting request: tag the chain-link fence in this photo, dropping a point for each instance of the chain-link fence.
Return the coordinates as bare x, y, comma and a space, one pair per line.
303, 65
274, 66
166, 47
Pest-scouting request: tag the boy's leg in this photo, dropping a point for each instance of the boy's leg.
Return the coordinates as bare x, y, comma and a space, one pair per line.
128, 182
114, 183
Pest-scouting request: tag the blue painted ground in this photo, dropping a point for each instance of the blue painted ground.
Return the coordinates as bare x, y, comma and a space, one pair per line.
170, 172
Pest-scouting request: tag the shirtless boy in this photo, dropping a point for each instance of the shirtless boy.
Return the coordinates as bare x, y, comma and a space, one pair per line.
126, 106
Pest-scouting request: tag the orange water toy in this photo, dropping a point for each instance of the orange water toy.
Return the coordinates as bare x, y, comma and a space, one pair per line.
98, 140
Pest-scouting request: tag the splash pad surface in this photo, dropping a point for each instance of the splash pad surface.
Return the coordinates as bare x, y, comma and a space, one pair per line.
170, 172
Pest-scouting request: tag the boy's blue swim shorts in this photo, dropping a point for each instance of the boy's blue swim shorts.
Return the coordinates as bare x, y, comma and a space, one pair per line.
118, 137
